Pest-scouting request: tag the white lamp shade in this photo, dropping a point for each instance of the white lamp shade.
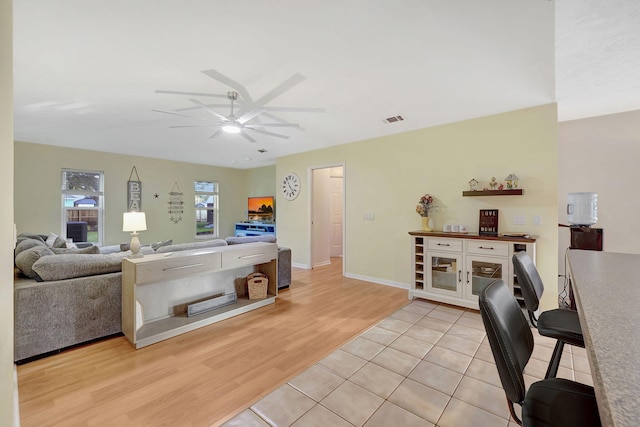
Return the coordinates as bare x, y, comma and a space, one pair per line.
134, 221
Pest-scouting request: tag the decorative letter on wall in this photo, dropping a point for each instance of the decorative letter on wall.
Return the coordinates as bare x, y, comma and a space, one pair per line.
134, 193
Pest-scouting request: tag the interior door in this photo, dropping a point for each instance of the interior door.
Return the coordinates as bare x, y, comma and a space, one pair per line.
336, 208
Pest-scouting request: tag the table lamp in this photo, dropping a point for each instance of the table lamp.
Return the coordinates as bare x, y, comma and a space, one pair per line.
134, 222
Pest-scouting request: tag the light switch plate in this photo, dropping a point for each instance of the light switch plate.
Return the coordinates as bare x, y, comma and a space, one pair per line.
519, 220
537, 220
368, 216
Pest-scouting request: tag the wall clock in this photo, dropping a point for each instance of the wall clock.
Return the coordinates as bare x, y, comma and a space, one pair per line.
290, 186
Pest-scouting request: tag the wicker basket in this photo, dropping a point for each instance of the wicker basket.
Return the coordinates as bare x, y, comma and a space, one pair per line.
257, 284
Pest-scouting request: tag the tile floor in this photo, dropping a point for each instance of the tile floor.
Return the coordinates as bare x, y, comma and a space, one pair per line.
425, 365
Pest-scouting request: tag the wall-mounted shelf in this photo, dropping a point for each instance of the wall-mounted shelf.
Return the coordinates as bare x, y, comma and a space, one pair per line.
515, 192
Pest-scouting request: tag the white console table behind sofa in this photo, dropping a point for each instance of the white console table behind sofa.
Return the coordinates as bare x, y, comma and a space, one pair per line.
156, 289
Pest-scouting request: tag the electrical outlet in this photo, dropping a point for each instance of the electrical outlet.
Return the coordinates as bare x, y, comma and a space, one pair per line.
368, 216
537, 220
519, 220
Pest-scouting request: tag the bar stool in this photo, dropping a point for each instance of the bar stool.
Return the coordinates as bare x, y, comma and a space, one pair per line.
560, 324
549, 402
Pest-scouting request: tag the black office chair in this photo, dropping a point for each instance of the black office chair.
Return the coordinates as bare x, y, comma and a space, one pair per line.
550, 402
560, 324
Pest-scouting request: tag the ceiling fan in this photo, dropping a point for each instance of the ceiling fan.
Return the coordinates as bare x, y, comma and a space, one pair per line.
248, 118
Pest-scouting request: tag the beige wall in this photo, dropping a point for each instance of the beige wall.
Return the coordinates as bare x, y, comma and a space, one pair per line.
8, 394
37, 191
602, 155
387, 175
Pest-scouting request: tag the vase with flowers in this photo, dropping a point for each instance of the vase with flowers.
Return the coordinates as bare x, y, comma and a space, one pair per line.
425, 204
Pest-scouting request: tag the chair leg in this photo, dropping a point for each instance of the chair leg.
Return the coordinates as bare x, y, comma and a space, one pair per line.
513, 412
552, 371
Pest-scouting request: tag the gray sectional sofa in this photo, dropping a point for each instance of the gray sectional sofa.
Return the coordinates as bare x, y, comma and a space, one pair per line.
66, 297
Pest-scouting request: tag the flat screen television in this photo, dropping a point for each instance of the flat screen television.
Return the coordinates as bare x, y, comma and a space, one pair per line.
261, 209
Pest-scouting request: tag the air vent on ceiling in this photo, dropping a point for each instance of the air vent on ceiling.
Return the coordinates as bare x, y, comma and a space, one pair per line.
393, 119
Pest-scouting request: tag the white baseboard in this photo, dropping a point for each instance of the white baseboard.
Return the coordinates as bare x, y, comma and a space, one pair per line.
322, 264
378, 281
303, 266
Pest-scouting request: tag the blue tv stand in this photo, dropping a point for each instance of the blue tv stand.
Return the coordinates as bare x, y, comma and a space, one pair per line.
254, 229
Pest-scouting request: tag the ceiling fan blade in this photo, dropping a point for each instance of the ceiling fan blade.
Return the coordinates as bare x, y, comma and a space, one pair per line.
271, 133
178, 114
194, 126
208, 105
250, 115
296, 109
247, 137
281, 88
218, 132
262, 125
231, 83
176, 92
209, 110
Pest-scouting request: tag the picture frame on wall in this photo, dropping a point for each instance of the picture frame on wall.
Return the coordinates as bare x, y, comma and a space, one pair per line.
488, 223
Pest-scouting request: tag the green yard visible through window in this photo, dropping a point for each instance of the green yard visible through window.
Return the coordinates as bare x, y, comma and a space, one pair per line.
206, 208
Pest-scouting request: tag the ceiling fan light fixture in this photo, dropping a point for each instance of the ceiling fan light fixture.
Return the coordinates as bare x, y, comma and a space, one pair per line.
231, 128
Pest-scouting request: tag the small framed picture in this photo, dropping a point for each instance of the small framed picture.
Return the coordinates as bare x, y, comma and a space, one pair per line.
488, 224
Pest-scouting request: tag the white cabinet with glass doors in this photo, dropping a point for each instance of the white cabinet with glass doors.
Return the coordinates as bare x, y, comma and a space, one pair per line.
455, 268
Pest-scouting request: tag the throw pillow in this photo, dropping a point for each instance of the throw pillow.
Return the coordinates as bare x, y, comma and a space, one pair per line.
87, 250
68, 266
51, 239
269, 238
26, 259
157, 245
23, 236
27, 244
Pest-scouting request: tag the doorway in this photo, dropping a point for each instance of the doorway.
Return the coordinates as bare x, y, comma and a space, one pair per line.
327, 214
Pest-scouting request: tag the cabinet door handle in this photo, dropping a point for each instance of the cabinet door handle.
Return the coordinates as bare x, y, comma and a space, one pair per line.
443, 244
467, 277
459, 275
181, 267
488, 247
250, 256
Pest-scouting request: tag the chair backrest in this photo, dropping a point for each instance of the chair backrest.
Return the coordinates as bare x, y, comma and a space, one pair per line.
509, 336
528, 279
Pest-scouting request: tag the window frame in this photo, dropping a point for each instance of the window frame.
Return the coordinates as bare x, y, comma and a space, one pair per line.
215, 209
99, 194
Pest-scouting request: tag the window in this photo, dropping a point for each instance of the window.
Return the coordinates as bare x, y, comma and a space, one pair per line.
206, 207
82, 205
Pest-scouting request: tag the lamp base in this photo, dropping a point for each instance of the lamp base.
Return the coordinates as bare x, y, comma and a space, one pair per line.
135, 246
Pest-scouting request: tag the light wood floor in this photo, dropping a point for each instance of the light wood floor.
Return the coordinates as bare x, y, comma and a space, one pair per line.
204, 377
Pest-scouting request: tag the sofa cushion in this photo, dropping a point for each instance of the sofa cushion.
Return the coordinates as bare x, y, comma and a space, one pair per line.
195, 245
269, 238
27, 244
67, 266
87, 250
27, 258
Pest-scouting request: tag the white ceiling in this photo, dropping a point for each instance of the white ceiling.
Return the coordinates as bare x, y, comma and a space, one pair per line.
86, 71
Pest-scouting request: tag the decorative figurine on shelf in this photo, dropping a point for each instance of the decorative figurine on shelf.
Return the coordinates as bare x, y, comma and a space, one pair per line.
425, 204
512, 181
473, 184
501, 187
493, 183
